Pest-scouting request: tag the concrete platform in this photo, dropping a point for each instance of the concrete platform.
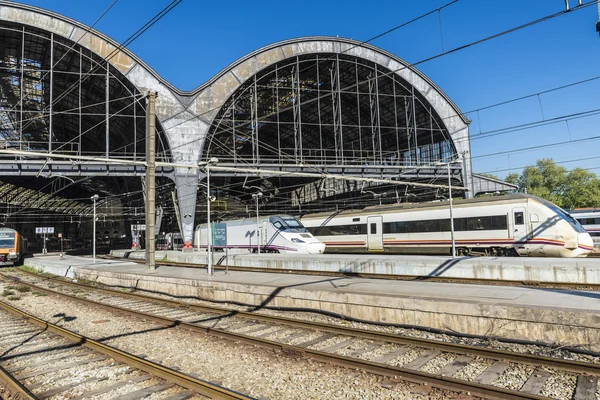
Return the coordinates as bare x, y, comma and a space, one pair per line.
565, 317
571, 270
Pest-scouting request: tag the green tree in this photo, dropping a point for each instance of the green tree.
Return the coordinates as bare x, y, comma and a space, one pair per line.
545, 179
512, 178
582, 190
574, 189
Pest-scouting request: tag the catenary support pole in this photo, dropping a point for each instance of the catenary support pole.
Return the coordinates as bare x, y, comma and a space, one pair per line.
150, 179
451, 216
94, 198
257, 228
208, 226
257, 196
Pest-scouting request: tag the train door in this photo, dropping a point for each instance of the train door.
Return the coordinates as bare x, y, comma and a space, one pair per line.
519, 225
375, 233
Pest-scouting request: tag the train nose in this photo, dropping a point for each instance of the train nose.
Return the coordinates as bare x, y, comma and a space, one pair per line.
315, 248
585, 241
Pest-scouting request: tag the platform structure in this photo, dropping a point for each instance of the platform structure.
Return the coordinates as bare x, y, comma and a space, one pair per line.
563, 317
529, 269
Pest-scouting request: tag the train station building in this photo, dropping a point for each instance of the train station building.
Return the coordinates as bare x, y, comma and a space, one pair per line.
286, 120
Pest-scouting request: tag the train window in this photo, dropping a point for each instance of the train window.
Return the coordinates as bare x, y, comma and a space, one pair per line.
373, 228
534, 218
589, 221
499, 222
519, 220
493, 222
476, 223
355, 229
594, 233
278, 225
292, 222
355, 219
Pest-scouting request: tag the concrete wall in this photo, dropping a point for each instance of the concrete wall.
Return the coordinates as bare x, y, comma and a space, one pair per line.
576, 270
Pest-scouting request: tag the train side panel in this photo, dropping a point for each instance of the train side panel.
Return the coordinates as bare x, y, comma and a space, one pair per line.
518, 225
274, 235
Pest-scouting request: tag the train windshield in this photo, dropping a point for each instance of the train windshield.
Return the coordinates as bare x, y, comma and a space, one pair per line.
567, 217
7, 240
288, 224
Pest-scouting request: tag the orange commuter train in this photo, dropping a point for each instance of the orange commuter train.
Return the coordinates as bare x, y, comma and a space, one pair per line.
13, 247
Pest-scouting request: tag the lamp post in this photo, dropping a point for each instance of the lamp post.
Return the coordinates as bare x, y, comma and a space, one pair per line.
451, 217
257, 196
209, 199
94, 198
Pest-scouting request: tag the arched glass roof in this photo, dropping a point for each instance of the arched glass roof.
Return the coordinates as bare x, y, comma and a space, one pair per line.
56, 95
328, 109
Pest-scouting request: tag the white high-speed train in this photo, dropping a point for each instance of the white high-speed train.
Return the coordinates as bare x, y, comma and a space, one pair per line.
516, 224
277, 234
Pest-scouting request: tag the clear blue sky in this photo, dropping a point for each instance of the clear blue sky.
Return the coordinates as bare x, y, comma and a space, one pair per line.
199, 38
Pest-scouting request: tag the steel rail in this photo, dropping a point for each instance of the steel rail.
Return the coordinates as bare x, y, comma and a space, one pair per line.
438, 381
157, 370
523, 358
419, 278
15, 388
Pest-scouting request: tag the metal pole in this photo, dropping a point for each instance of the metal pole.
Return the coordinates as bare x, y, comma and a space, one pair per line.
257, 226
150, 180
451, 217
208, 227
94, 197
107, 109
51, 92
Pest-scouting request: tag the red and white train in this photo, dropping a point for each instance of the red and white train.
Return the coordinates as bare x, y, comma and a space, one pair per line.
511, 225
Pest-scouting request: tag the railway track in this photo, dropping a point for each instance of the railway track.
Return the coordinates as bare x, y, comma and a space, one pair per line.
420, 278
40, 360
436, 363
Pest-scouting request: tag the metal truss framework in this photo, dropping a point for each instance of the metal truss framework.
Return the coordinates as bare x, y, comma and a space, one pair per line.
328, 110
329, 113
57, 96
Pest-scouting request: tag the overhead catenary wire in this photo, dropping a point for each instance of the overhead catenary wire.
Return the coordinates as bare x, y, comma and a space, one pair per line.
437, 56
456, 49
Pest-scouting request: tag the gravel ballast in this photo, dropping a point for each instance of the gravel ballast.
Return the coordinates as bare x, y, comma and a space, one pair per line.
254, 371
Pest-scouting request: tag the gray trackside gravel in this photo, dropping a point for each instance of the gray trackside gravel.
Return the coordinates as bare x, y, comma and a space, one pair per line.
406, 357
559, 386
511, 378
515, 376
433, 366
251, 370
473, 369
550, 351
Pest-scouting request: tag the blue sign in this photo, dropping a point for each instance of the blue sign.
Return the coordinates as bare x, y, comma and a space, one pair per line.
219, 235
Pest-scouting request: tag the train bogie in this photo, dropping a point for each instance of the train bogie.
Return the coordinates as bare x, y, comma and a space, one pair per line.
516, 224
